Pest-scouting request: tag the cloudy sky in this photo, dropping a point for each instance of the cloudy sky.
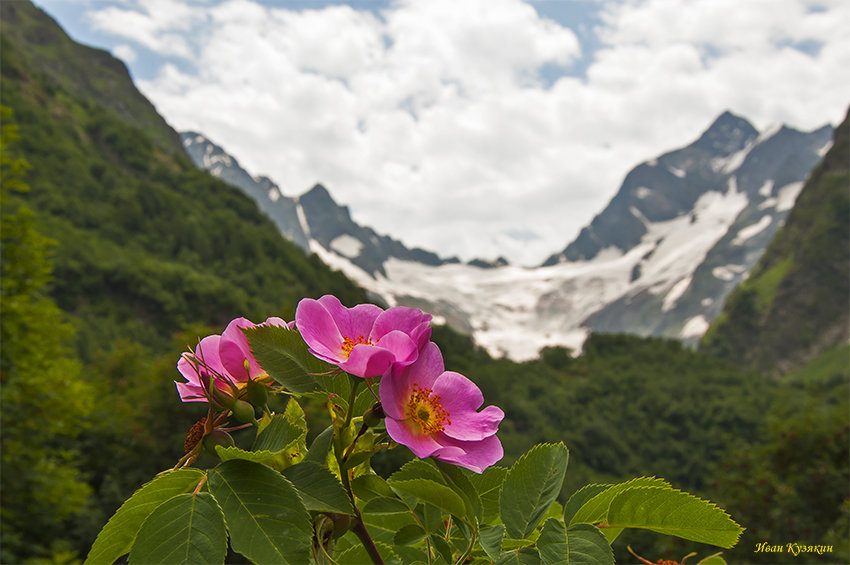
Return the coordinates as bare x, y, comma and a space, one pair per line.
474, 128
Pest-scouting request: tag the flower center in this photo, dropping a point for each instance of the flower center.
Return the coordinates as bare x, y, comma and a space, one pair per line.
425, 409
348, 344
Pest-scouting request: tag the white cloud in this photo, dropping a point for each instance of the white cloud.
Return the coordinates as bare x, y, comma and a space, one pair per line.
431, 119
125, 53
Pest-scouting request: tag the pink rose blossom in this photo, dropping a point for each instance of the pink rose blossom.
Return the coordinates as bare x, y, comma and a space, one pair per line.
434, 413
365, 340
225, 360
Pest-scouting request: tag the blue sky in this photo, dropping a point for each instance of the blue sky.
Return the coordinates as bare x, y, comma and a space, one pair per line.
474, 127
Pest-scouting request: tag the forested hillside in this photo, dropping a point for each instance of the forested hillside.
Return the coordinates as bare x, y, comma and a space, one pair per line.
796, 302
149, 253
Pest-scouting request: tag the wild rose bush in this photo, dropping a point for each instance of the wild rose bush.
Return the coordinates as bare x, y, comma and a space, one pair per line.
384, 386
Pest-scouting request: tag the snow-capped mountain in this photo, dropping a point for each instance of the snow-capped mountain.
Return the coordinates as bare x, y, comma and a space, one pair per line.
313, 218
681, 232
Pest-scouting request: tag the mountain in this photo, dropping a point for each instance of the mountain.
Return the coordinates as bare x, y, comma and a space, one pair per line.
743, 184
796, 302
310, 220
683, 230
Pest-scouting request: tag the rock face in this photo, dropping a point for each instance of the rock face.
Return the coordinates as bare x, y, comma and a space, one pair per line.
683, 230
313, 218
796, 302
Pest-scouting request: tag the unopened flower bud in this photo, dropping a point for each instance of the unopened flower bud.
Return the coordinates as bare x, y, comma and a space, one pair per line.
243, 411
221, 398
217, 437
257, 393
373, 416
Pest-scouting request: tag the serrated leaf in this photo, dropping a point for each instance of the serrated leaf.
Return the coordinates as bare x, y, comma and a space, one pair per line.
581, 544
117, 536
433, 493
357, 555
580, 498
278, 432
417, 469
409, 534
457, 479
524, 556
320, 490
490, 538
278, 460
489, 487
284, 355
596, 508
531, 486
318, 452
714, 559
267, 520
367, 487
385, 505
673, 512
443, 548
186, 529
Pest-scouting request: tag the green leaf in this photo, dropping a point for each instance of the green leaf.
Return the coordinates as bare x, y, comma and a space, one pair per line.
580, 498
277, 434
186, 529
489, 486
490, 538
318, 452
714, 559
356, 555
409, 534
268, 523
531, 486
417, 469
432, 492
385, 505
581, 544
673, 512
320, 489
367, 487
117, 536
457, 479
524, 556
443, 548
282, 353
596, 508
278, 460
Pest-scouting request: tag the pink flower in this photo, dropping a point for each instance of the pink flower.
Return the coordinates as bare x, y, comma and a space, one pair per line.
434, 413
365, 341
224, 360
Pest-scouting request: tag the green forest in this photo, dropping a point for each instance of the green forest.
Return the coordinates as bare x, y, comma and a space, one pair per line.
117, 254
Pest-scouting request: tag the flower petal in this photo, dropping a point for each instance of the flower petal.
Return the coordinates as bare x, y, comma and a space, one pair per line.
460, 397
422, 445
190, 392
319, 330
351, 322
477, 455
408, 320
403, 348
367, 361
234, 351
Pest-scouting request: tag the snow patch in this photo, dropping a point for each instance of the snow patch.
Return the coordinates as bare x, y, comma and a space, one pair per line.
694, 327
767, 188
728, 272
675, 293
678, 172
823, 150
642, 192
788, 196
347, 245
752, 230
302, 219
274, 194
769, 132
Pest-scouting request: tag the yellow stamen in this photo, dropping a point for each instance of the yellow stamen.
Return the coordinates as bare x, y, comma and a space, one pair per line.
425, 409
348, 344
